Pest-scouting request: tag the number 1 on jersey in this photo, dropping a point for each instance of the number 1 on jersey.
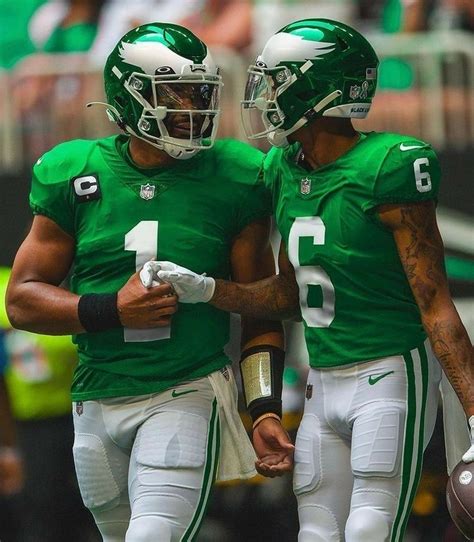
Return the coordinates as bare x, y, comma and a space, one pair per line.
143, 240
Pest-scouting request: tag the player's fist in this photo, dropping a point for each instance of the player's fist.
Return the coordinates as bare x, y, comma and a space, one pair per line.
468, 457
143, 308
190, 287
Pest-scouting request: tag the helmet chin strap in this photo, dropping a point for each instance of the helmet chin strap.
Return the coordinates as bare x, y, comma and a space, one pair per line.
167, 145
278, 138
179, 153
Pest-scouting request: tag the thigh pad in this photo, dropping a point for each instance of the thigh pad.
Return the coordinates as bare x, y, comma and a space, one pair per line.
377, 440
307, 473
99, 487
172, 439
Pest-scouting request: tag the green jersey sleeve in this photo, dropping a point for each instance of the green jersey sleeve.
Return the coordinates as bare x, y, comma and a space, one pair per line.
272, 167
52, 200
410, 172
269, 169
51, 194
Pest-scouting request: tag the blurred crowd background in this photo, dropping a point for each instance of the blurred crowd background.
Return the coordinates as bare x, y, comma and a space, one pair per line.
51, 58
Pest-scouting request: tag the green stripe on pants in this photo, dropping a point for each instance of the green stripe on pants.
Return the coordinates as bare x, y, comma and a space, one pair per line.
417, 383
423, 360
210, 471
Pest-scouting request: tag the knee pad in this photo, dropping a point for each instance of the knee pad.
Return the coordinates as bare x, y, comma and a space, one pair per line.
366, 525
148, 529
317, 524
113, 523
307, 534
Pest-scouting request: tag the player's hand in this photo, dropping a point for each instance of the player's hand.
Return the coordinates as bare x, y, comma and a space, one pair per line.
11, 471
468, 457
149, 274
145, 308
190, 287
273, 448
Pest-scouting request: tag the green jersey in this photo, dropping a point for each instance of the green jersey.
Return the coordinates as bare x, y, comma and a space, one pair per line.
120, 217
355, 298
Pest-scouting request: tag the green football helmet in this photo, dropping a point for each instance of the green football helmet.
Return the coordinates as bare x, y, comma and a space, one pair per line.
308, 69
163, 87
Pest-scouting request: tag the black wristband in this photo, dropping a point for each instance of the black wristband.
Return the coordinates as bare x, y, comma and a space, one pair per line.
98, 312
266, 364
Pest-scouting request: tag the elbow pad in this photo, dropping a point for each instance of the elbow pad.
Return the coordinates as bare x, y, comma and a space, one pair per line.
261, 368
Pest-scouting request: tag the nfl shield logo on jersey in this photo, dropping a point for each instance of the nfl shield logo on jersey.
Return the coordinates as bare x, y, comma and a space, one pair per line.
305, 186
147, 191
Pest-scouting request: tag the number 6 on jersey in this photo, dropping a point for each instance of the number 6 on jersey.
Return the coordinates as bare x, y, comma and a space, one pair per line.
311, 275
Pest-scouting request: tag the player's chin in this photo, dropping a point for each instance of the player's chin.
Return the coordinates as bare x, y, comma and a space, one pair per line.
181, 129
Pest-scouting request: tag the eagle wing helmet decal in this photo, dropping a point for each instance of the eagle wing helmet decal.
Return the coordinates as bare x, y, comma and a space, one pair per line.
283, 47
144, 54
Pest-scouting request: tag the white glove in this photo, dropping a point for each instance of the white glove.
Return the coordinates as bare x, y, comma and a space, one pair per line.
148, 274
190, 287
468, 457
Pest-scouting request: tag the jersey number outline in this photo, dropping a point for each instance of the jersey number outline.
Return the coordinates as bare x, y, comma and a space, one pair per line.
143, 240
306, 275
422, 178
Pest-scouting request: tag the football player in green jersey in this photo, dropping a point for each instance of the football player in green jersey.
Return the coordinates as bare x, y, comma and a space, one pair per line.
356, 212
154, 407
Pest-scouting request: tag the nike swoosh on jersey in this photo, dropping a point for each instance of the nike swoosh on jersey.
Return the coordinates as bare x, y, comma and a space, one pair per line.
404, 147
175, 393
373, 379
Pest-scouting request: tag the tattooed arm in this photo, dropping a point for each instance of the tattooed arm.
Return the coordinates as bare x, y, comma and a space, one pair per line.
252, 260
421, 252
274, 298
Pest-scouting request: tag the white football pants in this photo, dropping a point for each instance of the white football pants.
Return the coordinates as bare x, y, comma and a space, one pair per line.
360, 446
146, 464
